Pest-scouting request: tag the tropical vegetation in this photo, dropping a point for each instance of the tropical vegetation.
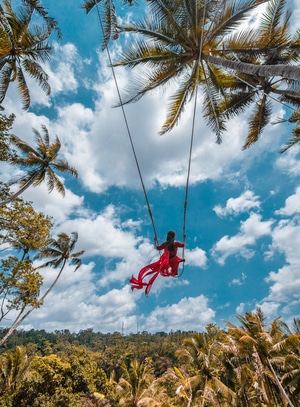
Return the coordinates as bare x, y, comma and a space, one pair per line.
253, 363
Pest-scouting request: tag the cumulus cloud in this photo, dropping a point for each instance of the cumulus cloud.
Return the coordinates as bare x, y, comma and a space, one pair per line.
65, 64
285, 282
234, 206
289, 161
196, 257
250, 231
188, 312
75, 304
292, 204
53, 204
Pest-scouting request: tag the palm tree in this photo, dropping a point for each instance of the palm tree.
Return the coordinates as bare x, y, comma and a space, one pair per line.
60, 252
134, 383
14, 365
262, 348
290, 362
186, 41
41, 162
202, 351
22, 46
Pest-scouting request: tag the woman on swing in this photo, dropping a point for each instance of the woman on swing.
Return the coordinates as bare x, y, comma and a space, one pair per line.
167, 265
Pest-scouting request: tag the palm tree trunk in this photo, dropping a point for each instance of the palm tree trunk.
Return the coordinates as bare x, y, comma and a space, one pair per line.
12, 328
279, 384
285, 71
286, 92
41, 300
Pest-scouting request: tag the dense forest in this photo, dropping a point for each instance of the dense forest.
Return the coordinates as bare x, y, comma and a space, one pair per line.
254, 363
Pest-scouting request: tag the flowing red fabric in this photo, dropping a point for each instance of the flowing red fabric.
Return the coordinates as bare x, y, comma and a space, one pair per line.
165, 266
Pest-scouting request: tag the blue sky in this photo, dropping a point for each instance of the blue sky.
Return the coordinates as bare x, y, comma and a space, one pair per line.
243, 230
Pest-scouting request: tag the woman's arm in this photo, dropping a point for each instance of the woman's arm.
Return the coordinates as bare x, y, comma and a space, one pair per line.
161, 246
178, 244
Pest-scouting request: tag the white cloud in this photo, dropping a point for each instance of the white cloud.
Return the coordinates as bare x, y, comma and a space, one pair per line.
189, 312
270, 308
289, 161
74, 304
54, 204
285, 282
250, 231
240, 309
196, 257
243, 203
239, 281
292, 205
286, 240
64, 64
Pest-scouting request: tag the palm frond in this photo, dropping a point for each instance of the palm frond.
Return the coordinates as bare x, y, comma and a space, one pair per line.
211, 107
272, 18
243, 41
148, 80
43, 142
26, 179
5, 23
236, 103
107, 21
258, 120
90, 4
77, 262
230, 18
143, 53
64, 167
36, 71
293, 140
179, 99
23, 89
167, 11
5, 78
54, 182
22, 145
153, 29
36, 179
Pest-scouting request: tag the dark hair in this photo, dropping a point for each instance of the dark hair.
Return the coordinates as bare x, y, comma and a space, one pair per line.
170, 240
171, 235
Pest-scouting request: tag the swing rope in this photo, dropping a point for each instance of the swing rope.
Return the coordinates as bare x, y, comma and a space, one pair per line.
188, 181
191, 145
127, 126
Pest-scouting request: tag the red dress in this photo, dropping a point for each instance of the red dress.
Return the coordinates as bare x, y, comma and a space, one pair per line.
167, 266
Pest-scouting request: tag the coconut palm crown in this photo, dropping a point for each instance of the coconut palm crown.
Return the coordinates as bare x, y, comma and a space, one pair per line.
40, 163
196, 43
23, 47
